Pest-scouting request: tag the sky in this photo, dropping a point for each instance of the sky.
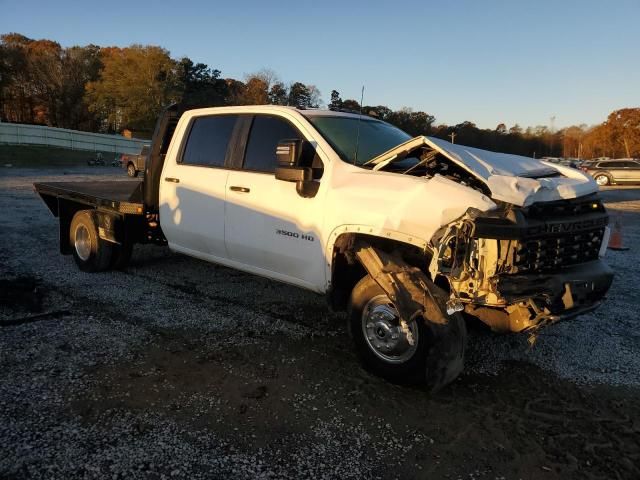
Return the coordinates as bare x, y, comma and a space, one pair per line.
485, 61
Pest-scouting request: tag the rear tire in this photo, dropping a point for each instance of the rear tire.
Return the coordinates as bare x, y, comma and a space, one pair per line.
437, 356
602, 180
131, 170
91, 253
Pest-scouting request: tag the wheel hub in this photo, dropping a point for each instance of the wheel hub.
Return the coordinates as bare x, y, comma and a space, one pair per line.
384, 334
82, 242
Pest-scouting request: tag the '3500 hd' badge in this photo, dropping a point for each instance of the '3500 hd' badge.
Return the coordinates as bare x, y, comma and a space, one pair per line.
302, 236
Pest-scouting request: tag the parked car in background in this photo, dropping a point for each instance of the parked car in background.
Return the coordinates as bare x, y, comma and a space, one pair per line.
134, 164
608, 172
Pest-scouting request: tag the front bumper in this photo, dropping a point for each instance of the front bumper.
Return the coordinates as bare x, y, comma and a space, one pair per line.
535, 300
576, 285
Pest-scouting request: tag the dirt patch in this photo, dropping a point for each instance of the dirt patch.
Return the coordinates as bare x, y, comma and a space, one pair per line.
523, 423
181, 368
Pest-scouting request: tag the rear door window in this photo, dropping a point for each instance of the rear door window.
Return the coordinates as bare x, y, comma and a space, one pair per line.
266, 132
609, 165
208, 140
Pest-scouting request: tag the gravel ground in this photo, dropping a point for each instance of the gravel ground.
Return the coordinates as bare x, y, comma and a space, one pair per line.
173, 369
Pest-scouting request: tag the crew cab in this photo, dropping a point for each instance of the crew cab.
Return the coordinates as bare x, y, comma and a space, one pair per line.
405, 234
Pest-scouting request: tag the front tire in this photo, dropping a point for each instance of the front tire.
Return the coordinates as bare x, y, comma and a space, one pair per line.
91, 253
131, 170
436, 355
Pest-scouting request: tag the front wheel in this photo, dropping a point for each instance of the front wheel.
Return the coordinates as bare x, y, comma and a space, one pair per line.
131, 170
423, 352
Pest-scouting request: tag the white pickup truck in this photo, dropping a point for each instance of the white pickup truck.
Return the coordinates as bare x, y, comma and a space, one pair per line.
405, 234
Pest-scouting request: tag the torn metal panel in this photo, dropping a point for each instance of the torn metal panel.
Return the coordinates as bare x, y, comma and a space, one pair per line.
526, 191
516, 271
406, 286
414, 295
413, 207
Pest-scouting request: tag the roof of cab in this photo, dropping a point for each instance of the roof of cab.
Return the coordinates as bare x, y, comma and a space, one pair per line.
312, 112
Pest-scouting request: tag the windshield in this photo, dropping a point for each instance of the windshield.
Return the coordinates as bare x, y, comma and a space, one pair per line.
375, 137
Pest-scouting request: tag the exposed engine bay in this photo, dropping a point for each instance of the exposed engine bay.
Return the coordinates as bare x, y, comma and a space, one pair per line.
520, 268
427, 162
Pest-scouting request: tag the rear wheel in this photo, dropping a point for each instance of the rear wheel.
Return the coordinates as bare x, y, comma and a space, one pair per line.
131, 170
423, 352
91, 253
602, 180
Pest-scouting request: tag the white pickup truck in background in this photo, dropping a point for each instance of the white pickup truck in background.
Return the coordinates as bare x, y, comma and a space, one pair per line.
405, 234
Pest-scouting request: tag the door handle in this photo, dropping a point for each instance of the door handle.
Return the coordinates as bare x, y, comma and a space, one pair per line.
171, 179
240, 189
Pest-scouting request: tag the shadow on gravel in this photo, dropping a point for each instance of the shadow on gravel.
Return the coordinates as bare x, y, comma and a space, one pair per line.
266, 392
21, 301
22, 293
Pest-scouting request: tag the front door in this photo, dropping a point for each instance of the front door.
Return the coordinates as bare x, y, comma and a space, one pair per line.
268, 224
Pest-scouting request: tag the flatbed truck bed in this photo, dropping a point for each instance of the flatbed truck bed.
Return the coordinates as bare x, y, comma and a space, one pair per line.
123, 197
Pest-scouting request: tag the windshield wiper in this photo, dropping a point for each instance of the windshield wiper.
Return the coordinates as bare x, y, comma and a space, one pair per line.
381, 165
427, 158
403, 149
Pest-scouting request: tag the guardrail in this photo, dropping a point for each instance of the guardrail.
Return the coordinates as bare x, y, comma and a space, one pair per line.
19, 134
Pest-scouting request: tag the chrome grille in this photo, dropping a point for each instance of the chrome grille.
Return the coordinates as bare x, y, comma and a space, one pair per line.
545, 254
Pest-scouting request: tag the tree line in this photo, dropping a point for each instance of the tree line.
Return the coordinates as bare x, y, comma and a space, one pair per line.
108, 89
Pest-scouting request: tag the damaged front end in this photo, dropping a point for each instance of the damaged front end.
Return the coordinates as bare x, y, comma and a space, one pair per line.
519, 268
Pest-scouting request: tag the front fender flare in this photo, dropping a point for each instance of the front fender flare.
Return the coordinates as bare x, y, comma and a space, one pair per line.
365, 230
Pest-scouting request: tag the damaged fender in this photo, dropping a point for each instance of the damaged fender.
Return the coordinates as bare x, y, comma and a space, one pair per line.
414, 295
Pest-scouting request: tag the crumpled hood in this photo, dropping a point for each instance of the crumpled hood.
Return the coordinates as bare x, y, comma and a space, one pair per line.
511, 178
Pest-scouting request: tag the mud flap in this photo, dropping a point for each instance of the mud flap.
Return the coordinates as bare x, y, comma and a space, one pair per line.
413, 295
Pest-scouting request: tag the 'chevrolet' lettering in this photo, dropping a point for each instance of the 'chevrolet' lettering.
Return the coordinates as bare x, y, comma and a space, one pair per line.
568, 227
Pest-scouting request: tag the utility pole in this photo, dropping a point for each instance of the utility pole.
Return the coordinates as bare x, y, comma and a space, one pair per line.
552, 129
453, 137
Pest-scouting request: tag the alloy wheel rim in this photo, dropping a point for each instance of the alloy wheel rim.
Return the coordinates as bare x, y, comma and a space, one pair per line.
383, 333
82, 242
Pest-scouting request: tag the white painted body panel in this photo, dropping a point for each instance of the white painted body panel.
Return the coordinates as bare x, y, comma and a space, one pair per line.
192, 211
253, 221
350, 199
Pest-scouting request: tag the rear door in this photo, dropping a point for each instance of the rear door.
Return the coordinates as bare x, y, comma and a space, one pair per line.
192, 194
633, 171
622, 171
269, 226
